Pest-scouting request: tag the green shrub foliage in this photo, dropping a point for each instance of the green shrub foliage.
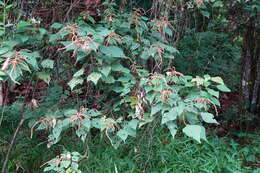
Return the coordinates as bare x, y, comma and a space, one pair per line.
119, 69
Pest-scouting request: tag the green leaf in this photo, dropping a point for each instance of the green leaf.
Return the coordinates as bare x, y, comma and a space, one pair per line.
112, 51
87, 123
205, 13
94, 77
4, 50
217, 4
2, 32
173, 128
223, 88
42, 31
33, 62
79, 73
75, 81
217, 80
133, 124
215, 101
118, 67
193, 131
47, 63
213, 92
105, 70
45, 76
203, 133
155, 109
65, 163
23, 24
122, 134
170, 116
56, 26
208, 117
70, 112
145, 55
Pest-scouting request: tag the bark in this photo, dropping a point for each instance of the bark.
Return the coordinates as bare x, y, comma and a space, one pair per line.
247, 60
256, 90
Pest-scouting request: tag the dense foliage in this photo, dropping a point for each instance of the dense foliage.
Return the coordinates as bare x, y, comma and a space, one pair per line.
117, 72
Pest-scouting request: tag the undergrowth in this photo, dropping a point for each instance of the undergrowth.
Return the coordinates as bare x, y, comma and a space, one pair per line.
155, 152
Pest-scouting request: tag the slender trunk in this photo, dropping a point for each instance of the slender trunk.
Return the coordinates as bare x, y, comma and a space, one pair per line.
247, 61
256, 89
246, 74
256, 93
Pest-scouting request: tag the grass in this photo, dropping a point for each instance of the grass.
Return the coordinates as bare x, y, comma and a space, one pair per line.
150, 152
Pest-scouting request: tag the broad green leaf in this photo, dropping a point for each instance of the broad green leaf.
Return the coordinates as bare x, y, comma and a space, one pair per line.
192, 118
56, 25
155, 109
193, 131
133, 124
213, 92
217, 4
75, 81
105, 70
33, 62
173, 128
45, 76
79, 73
122, 134
4, 50
23, 24
42, 31
170, 116
112, 51
109, 79
47, 63
208, 117
87, 123
145, 55
65, 163
70, 112
118, 67
217, 80
215, 101
223, 88
94, 77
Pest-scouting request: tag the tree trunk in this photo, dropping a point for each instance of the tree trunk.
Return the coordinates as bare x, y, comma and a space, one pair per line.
250, 77
247, 59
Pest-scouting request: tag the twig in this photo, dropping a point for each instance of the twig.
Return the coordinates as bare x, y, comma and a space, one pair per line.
11, 145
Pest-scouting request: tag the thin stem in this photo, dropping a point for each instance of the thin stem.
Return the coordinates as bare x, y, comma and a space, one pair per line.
11, 145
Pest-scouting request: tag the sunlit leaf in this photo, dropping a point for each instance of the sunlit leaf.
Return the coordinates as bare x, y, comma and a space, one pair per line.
208, 117
47, 63
94, 77
75, 81
173, 128
193, 131
45, 76
223, 88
